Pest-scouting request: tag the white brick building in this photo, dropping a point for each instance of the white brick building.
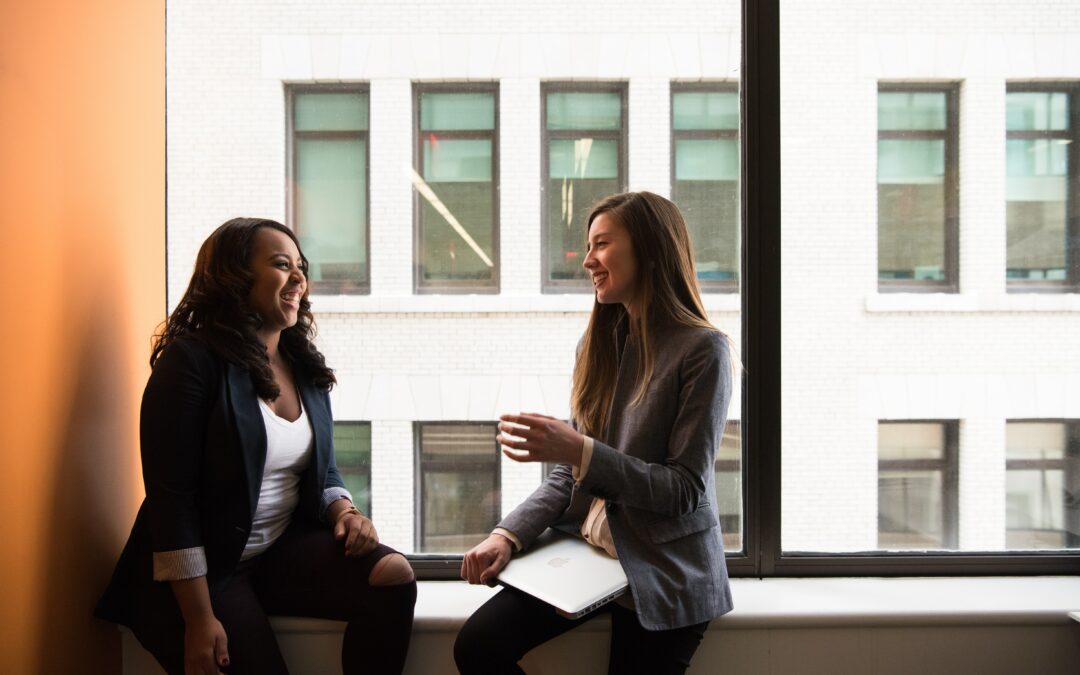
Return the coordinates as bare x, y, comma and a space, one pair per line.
852, 356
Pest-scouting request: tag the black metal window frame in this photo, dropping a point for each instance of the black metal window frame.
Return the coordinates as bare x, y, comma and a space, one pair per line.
951, 136
447, 287
947, 465
361, 286
1069, 465
621, 136
762, 357
715, 86
435, 565
1071, 283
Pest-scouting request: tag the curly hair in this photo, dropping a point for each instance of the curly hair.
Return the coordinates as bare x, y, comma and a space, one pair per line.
214, 310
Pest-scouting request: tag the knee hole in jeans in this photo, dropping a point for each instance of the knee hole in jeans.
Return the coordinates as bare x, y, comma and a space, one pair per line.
391, 570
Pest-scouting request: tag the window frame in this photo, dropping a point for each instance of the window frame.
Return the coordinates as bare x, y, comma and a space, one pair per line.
343, 287
622, 137
951, 136
1071, 282
708, 86
456, 287
446, 467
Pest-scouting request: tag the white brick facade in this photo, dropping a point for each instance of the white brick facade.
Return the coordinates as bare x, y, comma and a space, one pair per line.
850, 355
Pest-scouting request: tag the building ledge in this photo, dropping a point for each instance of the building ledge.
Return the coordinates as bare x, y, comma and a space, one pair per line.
972, 302
482, 304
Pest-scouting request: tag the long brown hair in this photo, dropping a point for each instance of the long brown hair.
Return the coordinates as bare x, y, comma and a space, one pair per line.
214, 310
665, 292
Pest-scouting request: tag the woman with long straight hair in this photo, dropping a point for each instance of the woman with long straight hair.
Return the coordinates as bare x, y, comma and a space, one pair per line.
246, 513
651, 388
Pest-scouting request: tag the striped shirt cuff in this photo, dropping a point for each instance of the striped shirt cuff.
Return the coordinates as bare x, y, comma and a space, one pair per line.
331, 495
586, 458
186, 563
509, 535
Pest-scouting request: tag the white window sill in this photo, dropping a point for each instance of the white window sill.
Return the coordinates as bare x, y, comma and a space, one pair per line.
443, 606
972, 302
487, 304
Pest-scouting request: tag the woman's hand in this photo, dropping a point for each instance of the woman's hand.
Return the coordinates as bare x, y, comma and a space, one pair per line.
358, 532
481, 564
540, 438
205, 647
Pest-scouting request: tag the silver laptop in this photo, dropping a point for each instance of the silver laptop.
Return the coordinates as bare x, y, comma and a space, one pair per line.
567, 573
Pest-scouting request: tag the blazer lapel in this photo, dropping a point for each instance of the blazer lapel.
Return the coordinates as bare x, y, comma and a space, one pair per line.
322, 426
250, 430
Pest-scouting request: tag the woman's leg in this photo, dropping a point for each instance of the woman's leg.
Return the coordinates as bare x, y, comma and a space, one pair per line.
504, 629
306, 573
661, 652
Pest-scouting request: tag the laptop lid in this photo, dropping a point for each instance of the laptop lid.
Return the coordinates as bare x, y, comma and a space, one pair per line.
567, 573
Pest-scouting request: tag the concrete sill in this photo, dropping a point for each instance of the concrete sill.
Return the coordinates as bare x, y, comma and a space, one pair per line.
972, 302
483, 304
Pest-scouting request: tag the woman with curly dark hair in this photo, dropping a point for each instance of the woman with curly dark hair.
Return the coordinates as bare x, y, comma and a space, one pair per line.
246, 513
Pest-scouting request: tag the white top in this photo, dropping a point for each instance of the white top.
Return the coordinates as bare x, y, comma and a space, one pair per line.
288, 451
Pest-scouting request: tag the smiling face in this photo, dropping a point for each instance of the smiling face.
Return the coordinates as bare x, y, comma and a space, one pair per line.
279, 280
611, 261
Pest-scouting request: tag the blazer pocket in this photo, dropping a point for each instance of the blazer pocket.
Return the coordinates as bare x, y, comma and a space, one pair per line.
678, 527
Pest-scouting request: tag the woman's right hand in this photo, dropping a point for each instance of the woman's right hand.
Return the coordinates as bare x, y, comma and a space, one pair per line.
486, 560
205, 647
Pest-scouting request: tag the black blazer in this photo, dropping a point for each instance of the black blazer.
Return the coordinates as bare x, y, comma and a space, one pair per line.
203, 446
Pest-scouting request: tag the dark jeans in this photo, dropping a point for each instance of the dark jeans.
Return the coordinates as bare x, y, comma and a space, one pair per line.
510, 624
305, 573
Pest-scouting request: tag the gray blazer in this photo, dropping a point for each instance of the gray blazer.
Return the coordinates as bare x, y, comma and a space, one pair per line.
654, 467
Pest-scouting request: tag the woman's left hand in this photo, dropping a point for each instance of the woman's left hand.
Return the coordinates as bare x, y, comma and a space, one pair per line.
532, 437
358, 532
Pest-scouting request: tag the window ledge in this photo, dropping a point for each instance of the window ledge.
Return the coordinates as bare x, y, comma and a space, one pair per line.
488, 304
443, 606
972, 302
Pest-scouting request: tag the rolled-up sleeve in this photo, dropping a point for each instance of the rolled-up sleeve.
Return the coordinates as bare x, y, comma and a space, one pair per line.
186, 563
331, 495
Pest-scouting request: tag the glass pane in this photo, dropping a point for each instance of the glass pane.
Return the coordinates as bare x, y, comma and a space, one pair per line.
1041, 483
457, 111
331, 208
729, 486
911, 110
1036, 197
460, 485
584, 110
707, 159
910, 513
352, 449
329, 111
457, 210
911, 210
1037, 111
910, 441
583, 158
705, 110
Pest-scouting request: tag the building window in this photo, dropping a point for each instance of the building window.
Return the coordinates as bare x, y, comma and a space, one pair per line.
917, 485
729, 486
917, 164
1042, 187
584, 160
705, 177
328, 184
1042, 485
459, 499
456, 190
352, 452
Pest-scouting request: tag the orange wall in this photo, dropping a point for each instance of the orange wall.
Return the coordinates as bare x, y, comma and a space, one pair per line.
82, 285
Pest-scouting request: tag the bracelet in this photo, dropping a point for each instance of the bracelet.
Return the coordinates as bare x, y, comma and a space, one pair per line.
351, 509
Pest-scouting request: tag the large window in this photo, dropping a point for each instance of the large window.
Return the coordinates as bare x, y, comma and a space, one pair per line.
1042, 191
352, 451
1042, 482
917, 188
917, 486
458, 495
705, 177
584, 160
328, 184
456, 174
